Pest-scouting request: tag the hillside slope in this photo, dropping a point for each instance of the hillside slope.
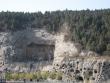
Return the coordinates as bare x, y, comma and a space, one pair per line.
89, 28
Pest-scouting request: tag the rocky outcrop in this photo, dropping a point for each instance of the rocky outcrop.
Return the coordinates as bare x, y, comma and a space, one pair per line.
22, 48
88, 53
79, 65
63, 49
27, 45
87, 70
33, 50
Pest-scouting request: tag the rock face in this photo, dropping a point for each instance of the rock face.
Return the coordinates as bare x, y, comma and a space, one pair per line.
32, 50
86, 70
81, 65
25, 47
63, 49
28, 45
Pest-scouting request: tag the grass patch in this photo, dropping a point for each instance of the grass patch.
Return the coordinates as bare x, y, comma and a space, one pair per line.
40, 75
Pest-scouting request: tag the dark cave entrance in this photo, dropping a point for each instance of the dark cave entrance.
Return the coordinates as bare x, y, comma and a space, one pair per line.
39, 52
79, 78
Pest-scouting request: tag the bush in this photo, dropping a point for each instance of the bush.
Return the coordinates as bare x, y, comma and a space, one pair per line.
29, 76
15, 76
34, 76
52, 75
59, 76
38, 75
22, 75
8, 76
45, 75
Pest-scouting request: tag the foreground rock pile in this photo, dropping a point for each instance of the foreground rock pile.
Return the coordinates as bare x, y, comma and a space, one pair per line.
86, 70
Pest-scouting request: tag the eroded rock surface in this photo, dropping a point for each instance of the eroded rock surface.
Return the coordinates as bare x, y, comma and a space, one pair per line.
63, 49
30, 45
19, 48
32, 50
80, 65
86, 70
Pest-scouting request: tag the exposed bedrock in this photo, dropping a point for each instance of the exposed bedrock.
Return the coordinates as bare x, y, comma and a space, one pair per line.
80, 65
91, 70
32, 50
28, 45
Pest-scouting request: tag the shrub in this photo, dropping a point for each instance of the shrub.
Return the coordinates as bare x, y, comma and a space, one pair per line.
8, 76
29, 76
59, 76
45, 75
15, 76
22, 75
38, 75
52, 75
34, 76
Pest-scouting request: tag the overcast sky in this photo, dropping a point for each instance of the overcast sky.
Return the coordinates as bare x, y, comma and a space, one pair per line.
52, 5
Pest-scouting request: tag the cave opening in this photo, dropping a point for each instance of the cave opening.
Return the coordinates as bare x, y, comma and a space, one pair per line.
79, 78
39, 52
35, 52
95, 71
